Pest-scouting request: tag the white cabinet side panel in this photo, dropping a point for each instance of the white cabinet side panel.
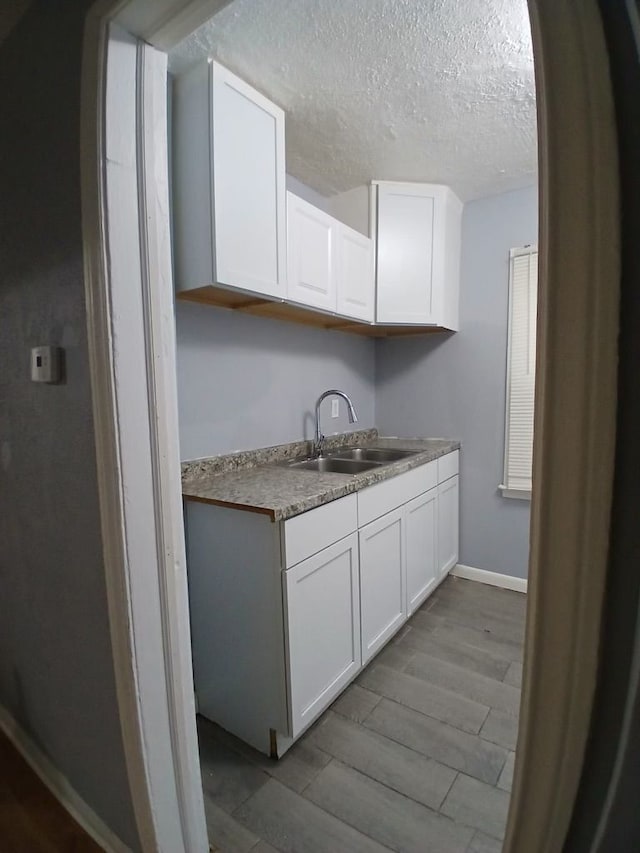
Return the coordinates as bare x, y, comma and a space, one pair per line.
191, 187
323, 628
452, 253
235, 597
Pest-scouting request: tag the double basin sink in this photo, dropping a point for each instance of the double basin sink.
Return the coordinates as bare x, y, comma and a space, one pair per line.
350, 460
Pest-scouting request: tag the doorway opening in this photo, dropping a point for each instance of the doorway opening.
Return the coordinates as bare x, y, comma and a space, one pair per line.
413, 109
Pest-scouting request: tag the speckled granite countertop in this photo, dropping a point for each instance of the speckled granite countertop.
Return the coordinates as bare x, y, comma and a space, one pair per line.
252, 480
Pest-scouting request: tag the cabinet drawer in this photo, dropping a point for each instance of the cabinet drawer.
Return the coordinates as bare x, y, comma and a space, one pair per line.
392, 493
310, 532
448, 466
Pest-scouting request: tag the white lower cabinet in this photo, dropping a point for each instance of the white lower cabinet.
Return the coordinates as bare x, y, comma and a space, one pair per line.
421, 527
382, 581
447, 525
284, 615
322, 628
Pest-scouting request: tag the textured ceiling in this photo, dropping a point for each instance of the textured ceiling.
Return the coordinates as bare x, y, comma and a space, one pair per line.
417, 90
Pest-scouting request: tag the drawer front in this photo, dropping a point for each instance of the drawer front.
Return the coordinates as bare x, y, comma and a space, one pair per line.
310, 532
448, 466
392, 493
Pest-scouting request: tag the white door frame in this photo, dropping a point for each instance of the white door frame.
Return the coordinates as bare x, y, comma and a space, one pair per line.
132, 360
130, 317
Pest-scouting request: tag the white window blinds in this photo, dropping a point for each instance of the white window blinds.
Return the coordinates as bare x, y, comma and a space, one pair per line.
521, 368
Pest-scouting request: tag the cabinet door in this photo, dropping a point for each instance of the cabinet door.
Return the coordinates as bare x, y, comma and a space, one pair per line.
405, 250
422, 554
382, 581
247, 153
447, 525
356, 283
322, 620
311, 255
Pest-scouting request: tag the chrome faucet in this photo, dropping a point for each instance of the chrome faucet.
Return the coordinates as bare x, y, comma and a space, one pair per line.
318, 446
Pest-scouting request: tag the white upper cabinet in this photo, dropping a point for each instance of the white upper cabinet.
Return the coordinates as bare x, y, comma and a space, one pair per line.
229, 184
356, 282
418, 254
330, 266
311, 250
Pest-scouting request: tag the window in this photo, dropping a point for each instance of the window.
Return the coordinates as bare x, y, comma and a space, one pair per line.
521, 371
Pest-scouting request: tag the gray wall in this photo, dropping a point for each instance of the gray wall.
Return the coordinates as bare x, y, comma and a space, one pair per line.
308, 193
56, 671
455, 386
248, 382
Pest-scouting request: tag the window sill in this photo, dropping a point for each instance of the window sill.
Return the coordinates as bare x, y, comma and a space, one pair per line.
518, 494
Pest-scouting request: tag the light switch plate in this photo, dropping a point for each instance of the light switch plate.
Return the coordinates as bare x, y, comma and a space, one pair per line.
45, 364
335, 408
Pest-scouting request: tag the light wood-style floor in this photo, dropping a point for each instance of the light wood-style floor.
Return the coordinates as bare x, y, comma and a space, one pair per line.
416, 755
31, 819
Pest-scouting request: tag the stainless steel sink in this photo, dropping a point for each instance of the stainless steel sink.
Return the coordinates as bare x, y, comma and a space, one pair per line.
372, 454
333, 465
351, 460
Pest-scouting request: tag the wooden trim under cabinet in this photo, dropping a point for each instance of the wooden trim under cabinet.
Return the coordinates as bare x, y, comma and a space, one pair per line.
248, 303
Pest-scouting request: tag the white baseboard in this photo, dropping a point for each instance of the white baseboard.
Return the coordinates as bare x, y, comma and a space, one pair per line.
491, 578
60, 786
